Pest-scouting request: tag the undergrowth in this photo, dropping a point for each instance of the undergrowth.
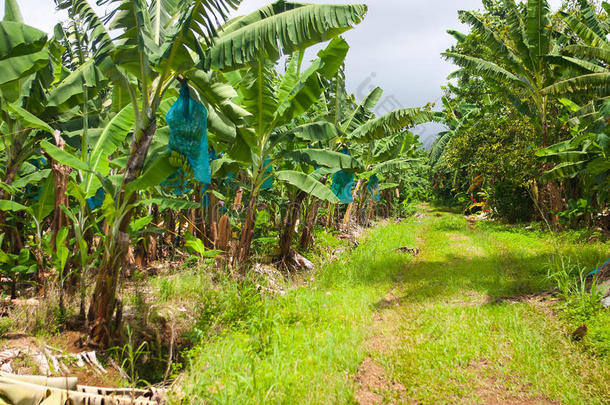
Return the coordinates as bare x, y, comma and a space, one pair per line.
306, 346
303, 347
581, 302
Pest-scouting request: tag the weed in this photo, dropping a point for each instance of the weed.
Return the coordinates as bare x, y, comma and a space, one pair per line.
129, 357
449, 223
582, 300
166, 289
598, 338
6, 324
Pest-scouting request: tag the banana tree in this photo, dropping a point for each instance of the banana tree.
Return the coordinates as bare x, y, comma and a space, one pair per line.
521, 60
156, 43
23, 53
282, 28
274, 104
592, 50
516, 61
454, 119
160, 41
40, 89
586, 156
357, 128
391, 159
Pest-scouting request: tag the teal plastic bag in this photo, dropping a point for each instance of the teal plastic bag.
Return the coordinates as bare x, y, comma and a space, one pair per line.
268, 184
187, 120
373, 187
343, 182
177, 183
97, 200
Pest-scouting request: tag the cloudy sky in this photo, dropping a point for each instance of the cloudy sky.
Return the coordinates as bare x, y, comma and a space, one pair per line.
396, 47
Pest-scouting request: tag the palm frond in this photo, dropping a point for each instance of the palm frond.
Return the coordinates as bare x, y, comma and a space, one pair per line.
516, 31
364, 111
280, 31
599, 82
99, 39
588, 35
483, 68
491, 40
390, 123
538, 36
590, 52
581, 65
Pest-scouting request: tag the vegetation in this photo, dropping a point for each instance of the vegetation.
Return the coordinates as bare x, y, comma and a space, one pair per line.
528, 90
169, 172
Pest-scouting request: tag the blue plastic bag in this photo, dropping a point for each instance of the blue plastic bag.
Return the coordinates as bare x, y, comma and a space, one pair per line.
177, 183
268, 184
97, 200
373, 187
187, 120
343, 182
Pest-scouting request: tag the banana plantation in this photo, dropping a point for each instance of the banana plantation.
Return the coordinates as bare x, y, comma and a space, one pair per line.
195, 208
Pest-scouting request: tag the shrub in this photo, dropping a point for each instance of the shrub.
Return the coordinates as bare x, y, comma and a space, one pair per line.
512, 202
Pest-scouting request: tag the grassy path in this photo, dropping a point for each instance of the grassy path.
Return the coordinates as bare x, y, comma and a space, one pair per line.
458, 324
464, 325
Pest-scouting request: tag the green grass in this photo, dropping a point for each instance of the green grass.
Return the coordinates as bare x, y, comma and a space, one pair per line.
460, 333
463, 341
304, 347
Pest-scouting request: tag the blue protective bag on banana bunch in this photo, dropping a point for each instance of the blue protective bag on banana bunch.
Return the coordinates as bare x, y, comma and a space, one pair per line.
268, 184
373, 187
343, 182
188, 140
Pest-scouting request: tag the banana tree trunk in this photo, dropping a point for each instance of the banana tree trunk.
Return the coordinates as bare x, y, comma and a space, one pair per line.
213, 218
310, 221
307, 235
9, 178
553, 187
61, 175
329, 215
224, 233
361, 201
104, 300
388, 199
198, 216
247, 233
350, 206
292, 216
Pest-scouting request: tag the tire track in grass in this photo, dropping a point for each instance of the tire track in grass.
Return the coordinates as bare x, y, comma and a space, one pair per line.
447, 333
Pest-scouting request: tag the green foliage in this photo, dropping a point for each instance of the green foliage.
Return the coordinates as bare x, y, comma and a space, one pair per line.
325, 243
227, 308
581, 302
6, 324
196, 245
498, 150
516, 63
469, 281
308, 184
280, 28
129, 355
16, 267
270, 338
577, 210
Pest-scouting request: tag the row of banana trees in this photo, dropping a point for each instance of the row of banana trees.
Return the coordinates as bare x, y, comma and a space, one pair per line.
87, 175
521, 60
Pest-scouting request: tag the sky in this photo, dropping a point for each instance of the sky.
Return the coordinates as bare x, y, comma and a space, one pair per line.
397, 47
